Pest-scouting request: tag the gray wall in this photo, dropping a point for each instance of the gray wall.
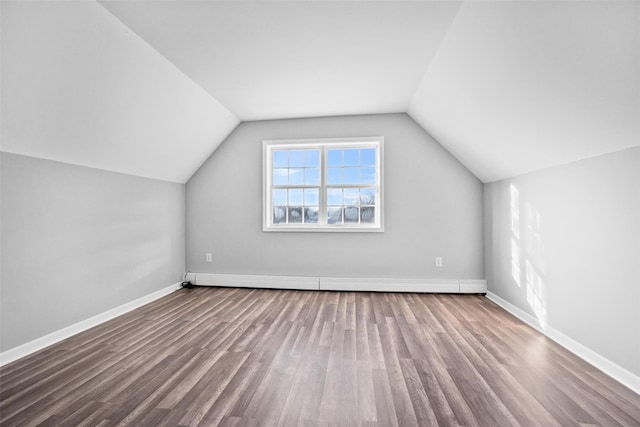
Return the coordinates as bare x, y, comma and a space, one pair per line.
433, 207
77, 242
583, 273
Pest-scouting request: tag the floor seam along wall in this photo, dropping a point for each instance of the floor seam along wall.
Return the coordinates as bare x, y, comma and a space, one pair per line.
322, 283
64, 333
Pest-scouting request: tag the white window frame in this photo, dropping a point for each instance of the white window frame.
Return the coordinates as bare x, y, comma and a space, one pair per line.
269, 146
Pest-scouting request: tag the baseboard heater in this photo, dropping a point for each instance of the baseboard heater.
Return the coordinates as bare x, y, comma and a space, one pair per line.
453, 286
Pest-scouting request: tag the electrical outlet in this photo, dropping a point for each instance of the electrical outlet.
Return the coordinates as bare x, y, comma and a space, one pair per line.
208, 257
438, 261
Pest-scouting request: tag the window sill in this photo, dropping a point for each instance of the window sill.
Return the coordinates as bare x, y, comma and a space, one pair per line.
323, 229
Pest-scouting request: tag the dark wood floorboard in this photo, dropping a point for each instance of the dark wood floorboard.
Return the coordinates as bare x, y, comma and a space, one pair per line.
250, 357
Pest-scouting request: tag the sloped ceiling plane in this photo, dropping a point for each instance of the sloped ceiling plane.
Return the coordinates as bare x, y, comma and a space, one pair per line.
151, 88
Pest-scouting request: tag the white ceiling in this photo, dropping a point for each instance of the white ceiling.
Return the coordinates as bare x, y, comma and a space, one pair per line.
152, 87
79, 87
272, 60
521, 86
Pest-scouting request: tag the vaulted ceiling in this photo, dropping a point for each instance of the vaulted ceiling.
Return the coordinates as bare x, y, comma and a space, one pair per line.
151, 88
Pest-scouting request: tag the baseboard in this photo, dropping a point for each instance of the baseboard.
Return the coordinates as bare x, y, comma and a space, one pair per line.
255, 281
615, 371
473, 286
340, 283
57, 336
389, 285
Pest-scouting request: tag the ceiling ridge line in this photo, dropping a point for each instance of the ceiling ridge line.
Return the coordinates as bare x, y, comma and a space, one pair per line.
435, 56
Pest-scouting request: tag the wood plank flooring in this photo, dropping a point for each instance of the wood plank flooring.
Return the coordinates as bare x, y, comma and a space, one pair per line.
247, 357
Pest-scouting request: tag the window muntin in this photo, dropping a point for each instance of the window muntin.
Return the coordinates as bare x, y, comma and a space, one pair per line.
323, 185
295, 188
351, 185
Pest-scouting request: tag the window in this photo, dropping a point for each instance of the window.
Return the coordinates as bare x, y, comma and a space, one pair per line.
323, 185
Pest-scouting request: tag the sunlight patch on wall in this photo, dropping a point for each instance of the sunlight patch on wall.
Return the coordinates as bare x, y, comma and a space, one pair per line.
515, 229
536, 293
515, 211
532, 237
515, 262
527, 252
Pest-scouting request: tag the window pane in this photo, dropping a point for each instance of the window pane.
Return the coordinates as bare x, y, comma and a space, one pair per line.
351, 196
295, 215
312, 176
280, 159
279, 215
312, 158
350, 215
311, 215
296, 176
350, 175
367, 175
295, 197
334, 176
334, 215
279, 197
351, 157
334, 196
341, 179
334, 157
368, 157
280, 176
367, 215
312, 197
367, 196
296, 159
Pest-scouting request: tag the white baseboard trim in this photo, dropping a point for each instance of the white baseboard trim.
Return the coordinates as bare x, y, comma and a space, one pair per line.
615, 371
57, 336
255, 281
388, 285
473, 286
340, 283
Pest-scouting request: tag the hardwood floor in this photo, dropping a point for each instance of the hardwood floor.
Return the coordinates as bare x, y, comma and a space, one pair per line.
246, 357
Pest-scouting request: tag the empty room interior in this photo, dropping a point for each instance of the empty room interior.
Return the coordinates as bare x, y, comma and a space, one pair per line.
320, 213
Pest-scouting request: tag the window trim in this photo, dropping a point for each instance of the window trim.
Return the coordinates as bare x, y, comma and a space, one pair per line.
268, 146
